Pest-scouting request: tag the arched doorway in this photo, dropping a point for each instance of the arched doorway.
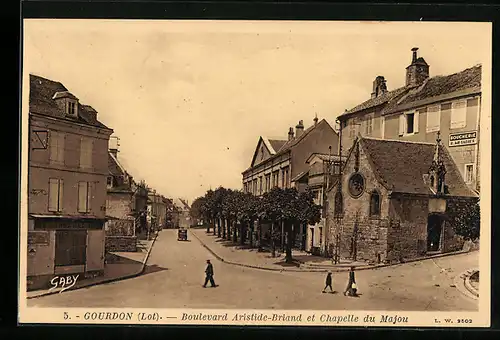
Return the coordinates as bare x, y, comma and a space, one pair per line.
434, 231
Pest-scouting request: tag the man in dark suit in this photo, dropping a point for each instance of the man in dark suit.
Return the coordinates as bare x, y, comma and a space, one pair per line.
209, 272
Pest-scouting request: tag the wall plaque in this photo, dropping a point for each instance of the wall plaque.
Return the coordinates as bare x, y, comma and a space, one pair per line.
38, 237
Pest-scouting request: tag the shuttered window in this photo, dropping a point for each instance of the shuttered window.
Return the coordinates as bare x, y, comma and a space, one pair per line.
86, 153
458, 114
433, 118
55, 194
84, 197
56, 142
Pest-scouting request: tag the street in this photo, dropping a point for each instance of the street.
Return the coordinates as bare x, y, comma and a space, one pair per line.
175, 274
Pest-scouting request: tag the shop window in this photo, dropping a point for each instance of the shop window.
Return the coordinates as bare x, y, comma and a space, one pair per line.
71, 246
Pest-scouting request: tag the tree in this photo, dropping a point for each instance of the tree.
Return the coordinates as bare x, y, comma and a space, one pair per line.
273, 203
217, 207
196, 211
465, 219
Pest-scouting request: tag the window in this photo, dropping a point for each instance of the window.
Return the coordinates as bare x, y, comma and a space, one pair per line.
352, 128
55, 194
261, 153
71, 108
458, 114
268, 182
86, 153
260, 184
317, 197
56, 142
433, 118
382, 127
255, 186
284, 177
339, 208
276, 178
374, 204
408, 123
110, 182
84, 197
369, 124
71, 247
469, 173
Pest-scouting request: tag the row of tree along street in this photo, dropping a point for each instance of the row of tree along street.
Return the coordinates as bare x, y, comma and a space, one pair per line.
232, 214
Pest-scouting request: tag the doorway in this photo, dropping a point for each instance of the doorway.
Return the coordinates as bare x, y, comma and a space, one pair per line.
434, 231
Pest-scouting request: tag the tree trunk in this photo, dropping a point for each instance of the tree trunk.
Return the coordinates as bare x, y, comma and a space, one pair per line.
207, 221
273, 243
223, 228
242, 233
252, 230
219, 227
235, 232
289, 234
282, 243
259, 233
213, 224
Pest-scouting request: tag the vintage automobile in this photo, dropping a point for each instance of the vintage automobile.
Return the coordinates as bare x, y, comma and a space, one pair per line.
182, 235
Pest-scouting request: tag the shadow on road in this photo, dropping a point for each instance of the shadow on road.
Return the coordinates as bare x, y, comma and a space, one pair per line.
153, 269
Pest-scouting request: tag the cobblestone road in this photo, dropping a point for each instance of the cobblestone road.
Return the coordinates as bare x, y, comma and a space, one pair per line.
175, 274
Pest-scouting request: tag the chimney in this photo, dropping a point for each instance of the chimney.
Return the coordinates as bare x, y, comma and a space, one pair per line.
290, 134
299, 128
316, 120
379, 86
418, 71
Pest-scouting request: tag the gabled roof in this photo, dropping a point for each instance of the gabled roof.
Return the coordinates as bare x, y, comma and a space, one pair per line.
114, 167
282, 146
323, 157
400, 166
438, 88
41, 101
377, 101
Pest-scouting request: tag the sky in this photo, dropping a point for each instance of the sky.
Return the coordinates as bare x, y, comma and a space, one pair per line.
189, 99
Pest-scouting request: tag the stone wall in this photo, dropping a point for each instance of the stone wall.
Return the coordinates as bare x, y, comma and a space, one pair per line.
120, 228
371, 239
121, 243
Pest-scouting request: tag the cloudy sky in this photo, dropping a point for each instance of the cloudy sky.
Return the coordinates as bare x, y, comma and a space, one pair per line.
189, 100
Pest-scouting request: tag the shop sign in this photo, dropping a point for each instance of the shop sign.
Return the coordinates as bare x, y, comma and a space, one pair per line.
462, 139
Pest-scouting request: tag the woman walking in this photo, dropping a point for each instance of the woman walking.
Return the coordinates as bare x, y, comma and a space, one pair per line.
351, 288
328, 282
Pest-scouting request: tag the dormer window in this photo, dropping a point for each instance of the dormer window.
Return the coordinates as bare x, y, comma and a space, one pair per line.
71, 108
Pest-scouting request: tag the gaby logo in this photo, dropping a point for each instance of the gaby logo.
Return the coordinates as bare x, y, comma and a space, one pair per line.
63, 282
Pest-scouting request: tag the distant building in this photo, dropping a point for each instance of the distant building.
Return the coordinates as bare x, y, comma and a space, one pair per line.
68, 167
449, 104
120, 206
394, 200
281, 162
322, 173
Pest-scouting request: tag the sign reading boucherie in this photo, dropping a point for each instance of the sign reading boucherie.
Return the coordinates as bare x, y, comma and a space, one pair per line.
464, 138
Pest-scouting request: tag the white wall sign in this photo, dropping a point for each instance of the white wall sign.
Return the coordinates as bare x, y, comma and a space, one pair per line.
464, 138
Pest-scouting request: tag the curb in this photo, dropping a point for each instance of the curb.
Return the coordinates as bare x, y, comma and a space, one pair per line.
325, 269
461, 281
468, 285
115, 279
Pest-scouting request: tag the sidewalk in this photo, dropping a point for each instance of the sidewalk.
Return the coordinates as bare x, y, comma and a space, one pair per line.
119, 266
229, 252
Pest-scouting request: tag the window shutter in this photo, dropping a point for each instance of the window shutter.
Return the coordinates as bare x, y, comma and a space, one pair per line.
401, 124
416, 121
82, 196
60, 147
382, 127
458, 114
60, 192
433, 118
89, 196
53, 194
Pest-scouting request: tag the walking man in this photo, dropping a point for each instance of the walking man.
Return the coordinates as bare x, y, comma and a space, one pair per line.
351, 284
328, 282
209, 272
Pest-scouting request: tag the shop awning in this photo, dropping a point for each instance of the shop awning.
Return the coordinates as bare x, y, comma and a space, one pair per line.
68, 217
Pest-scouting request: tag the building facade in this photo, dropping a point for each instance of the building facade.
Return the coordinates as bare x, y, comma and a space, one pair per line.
394, 200
449, 104
323, 172
282, 163
68, 168
120, 206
